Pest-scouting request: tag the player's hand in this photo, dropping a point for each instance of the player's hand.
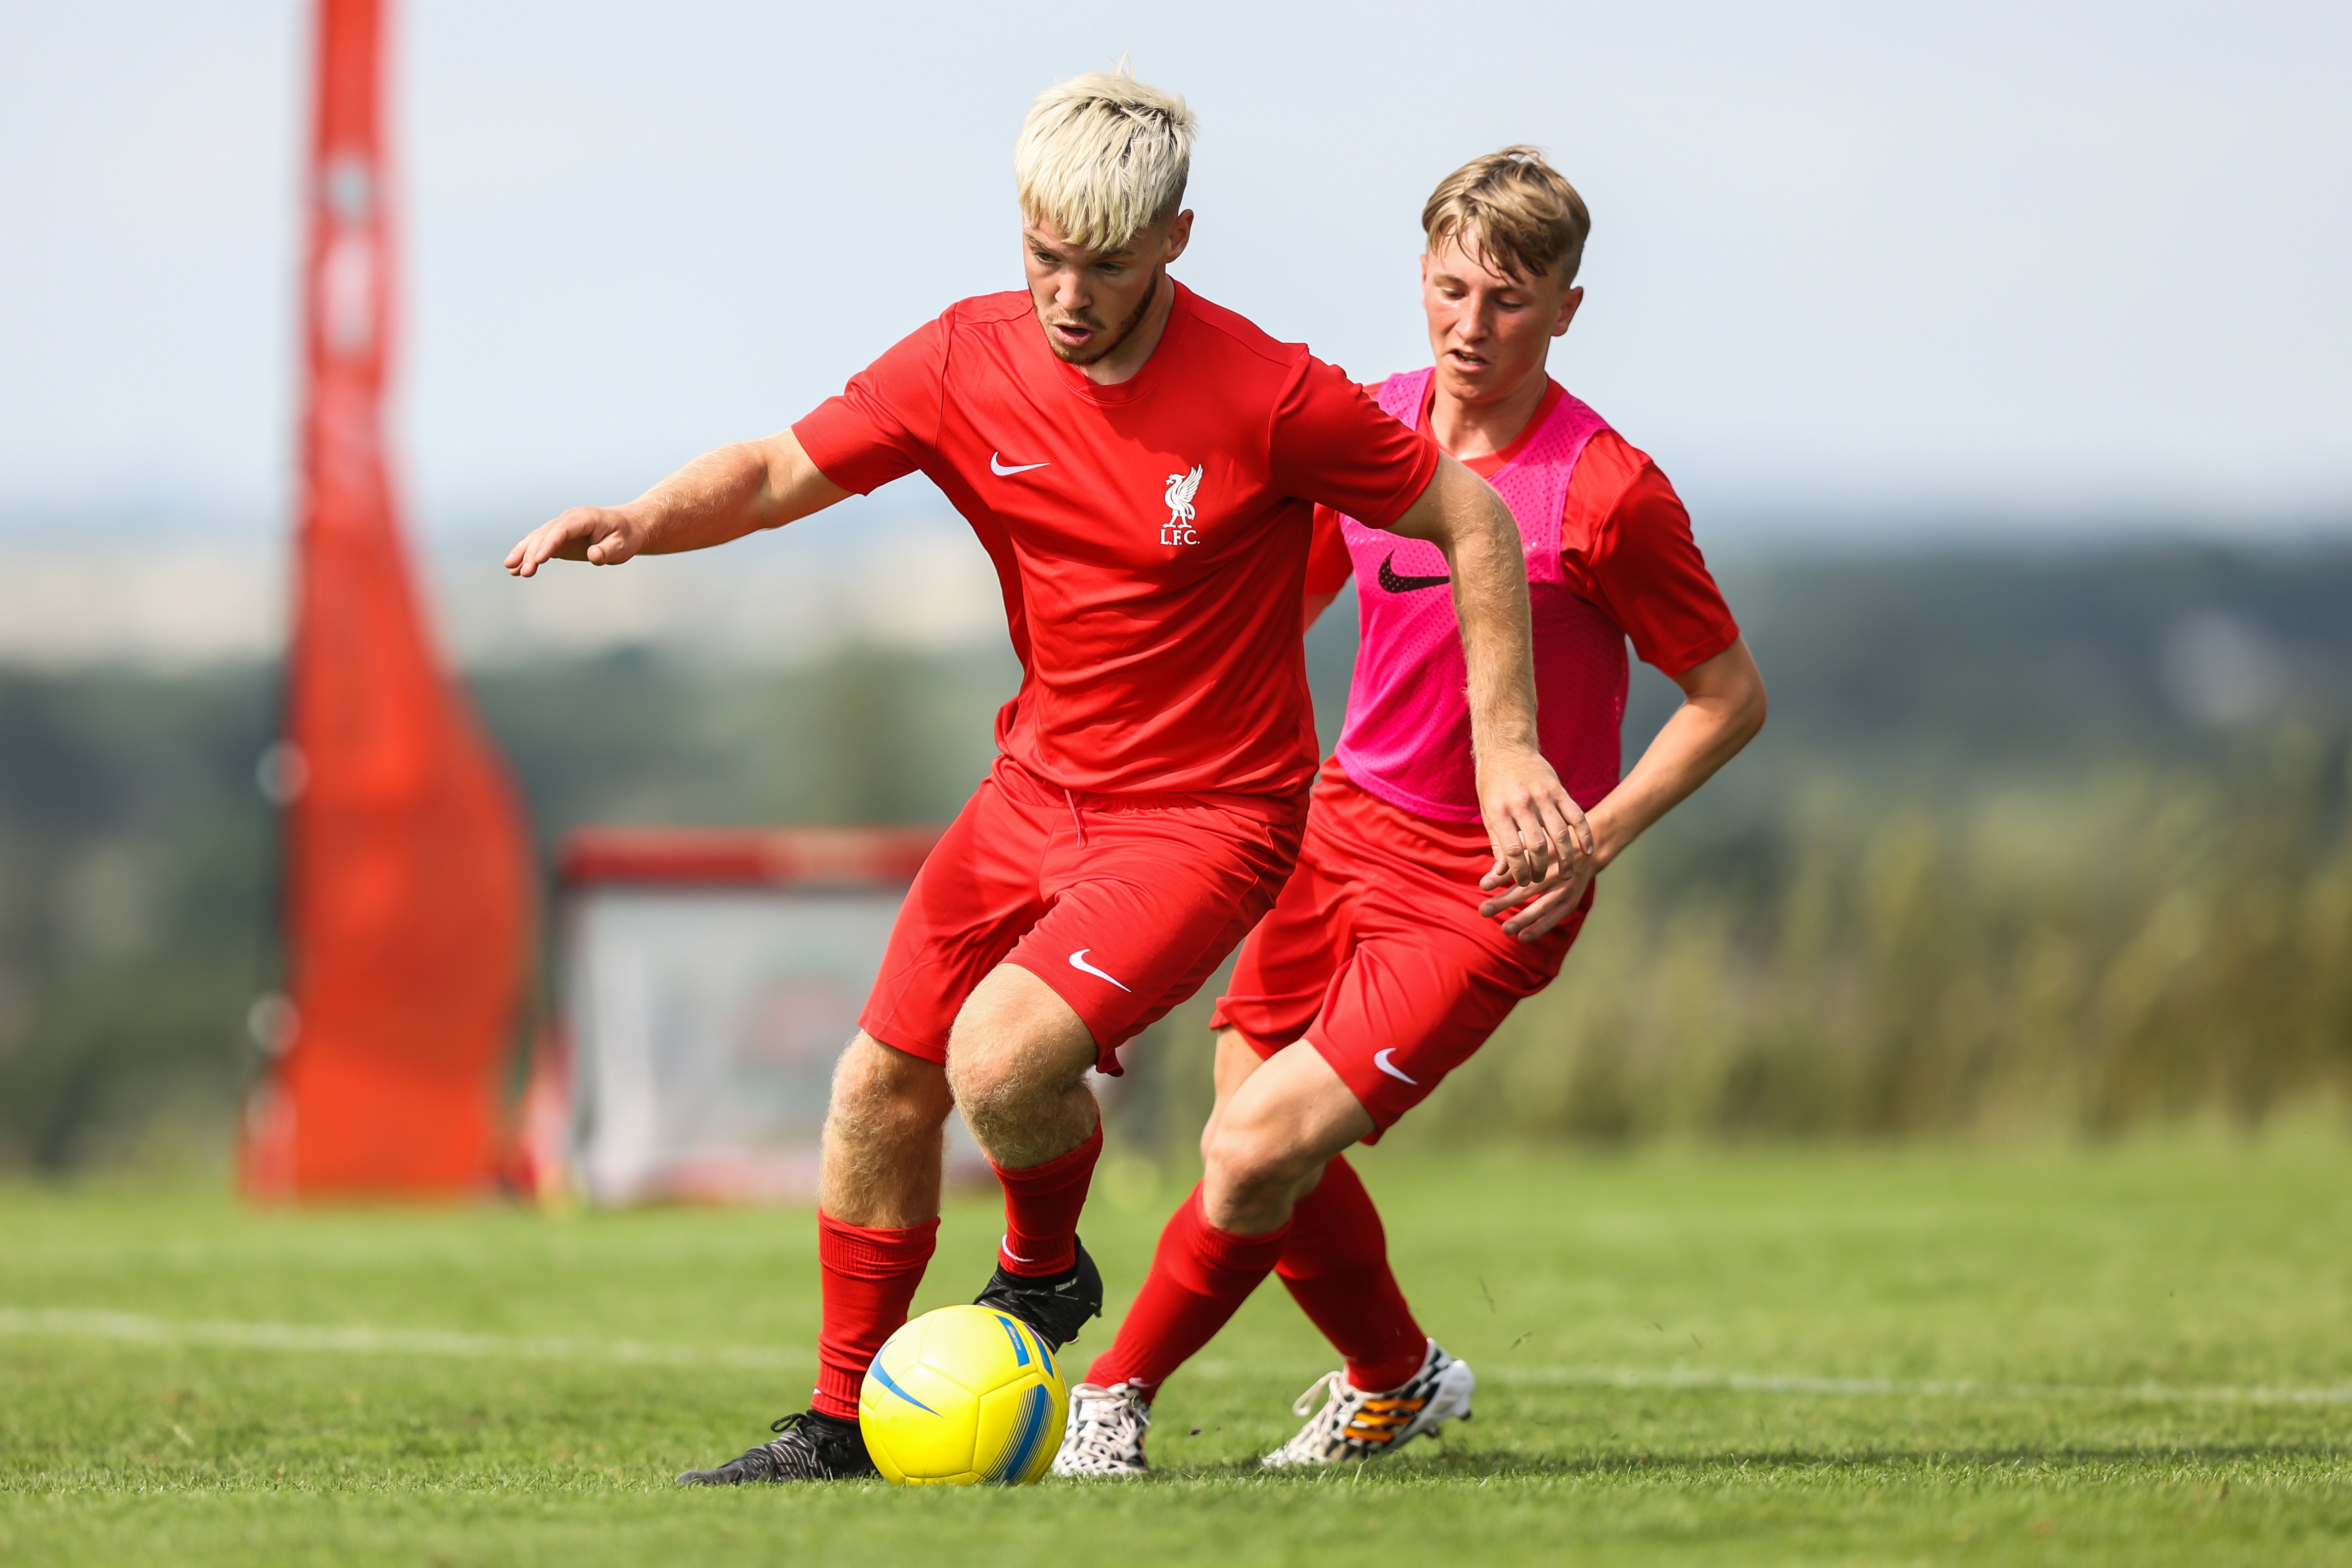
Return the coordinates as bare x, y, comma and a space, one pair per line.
1537, 910
1540, 835
600, 535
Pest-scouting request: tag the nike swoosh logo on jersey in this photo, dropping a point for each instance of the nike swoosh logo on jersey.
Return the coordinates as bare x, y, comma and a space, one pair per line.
1381, 1058
997, 466
1078, 961
1396, 584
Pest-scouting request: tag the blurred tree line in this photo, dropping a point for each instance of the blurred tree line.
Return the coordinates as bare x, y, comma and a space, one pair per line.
2141, 943
2051, 840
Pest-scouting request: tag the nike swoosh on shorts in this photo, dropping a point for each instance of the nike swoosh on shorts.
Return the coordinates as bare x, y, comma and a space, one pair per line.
1078, 961
1396, 584
996, 465
1381, 1060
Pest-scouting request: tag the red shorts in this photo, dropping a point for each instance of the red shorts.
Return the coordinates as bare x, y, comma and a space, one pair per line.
1123, 904
1376, 954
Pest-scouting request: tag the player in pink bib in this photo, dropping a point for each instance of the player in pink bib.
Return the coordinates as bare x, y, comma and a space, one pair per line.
1397, 946
1407, 738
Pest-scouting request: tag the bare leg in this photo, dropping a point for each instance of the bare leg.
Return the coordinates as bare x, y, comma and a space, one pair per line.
1272, 1131
1235, 1062
884, 1137
1017, 1060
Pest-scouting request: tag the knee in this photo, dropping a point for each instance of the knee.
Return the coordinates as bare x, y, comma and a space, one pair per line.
1015, 1040
1249, 1163
880, 1090
985, 1074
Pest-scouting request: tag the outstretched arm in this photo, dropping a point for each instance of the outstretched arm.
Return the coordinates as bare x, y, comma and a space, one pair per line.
1723, 708
722, 495
1541, 840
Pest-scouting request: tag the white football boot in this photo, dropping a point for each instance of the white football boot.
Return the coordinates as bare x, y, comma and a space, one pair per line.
1105, 1434
1354, 1425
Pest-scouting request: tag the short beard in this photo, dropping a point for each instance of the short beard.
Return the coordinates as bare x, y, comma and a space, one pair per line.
1126, 331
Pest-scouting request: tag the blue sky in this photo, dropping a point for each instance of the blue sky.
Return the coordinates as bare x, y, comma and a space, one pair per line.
1855, 266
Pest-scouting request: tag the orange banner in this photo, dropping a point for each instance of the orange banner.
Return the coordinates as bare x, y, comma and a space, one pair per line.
407, 896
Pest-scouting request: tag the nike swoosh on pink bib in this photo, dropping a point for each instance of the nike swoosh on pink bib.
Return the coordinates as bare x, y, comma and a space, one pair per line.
1396, 584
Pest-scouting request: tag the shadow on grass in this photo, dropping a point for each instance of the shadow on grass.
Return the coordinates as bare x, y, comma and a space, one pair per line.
1461, 1464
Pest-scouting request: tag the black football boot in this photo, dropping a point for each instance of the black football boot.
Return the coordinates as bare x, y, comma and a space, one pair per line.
1056, 1305
808, 1447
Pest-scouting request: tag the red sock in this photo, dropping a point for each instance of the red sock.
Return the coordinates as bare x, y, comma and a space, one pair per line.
1336, 1264
1199, 1278
1041, 1209
870, 1277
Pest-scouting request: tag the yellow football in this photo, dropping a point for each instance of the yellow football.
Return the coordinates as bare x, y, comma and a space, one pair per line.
962, 1396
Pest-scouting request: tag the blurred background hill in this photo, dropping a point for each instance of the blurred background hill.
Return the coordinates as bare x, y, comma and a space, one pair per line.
2043, 840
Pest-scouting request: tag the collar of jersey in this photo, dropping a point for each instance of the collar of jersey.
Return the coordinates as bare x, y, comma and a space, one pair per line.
1135, 387
1494, 463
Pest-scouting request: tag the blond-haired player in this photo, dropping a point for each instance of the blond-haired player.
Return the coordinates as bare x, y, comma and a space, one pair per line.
1395, 949
1143, 467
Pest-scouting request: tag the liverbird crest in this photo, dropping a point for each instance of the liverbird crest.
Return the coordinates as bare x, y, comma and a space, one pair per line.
1182, 489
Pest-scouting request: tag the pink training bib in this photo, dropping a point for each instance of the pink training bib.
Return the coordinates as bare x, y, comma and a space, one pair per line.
1407, 738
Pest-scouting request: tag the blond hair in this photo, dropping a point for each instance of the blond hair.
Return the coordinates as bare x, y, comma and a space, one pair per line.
1102, 157
1515, 210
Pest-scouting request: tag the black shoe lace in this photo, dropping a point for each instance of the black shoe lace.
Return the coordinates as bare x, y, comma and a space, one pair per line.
804, 1449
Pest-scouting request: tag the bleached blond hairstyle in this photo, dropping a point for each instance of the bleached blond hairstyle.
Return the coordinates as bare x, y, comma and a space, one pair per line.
1102, 157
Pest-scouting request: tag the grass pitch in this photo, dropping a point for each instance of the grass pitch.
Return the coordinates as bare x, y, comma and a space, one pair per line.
2139, 1356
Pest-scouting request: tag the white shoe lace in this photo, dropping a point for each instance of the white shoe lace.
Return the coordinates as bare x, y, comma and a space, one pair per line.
1106, 1432
1327, 1431
1332, 1386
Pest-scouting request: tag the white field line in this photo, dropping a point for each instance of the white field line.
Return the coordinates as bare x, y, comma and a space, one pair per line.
1889, 1387
134, 1328
1790, 1384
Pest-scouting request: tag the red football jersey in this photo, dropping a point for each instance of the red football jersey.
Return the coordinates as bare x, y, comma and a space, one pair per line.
1151, 538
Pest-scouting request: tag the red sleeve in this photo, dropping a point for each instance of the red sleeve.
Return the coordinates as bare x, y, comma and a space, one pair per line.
1332, 445
1328, 565
1641, 563
885, 423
